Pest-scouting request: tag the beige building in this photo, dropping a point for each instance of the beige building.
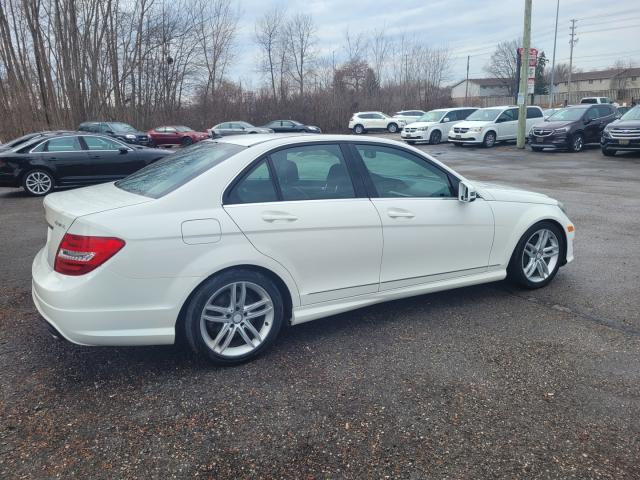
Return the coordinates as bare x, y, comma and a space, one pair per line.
611, 79
479, 87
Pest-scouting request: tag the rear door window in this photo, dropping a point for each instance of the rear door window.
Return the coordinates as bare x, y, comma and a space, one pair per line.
256, 186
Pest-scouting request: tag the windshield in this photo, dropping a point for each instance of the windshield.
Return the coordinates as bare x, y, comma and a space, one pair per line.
122, 127
633, 114
432, 116
485, 115
184, 129
245, 124
296, 123
173, 171
568, 114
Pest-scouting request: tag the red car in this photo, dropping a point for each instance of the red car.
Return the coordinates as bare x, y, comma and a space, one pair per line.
175, 135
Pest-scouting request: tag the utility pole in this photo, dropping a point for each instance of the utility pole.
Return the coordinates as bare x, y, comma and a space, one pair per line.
553, 61
466, 84
572, 41
524, 74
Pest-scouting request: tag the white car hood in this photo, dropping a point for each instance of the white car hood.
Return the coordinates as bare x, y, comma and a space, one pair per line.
472, 123
505, 193
421, 124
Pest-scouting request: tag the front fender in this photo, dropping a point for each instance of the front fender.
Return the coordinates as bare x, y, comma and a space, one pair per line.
513, 219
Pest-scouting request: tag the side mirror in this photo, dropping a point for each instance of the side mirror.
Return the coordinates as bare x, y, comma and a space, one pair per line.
110, 132
466, 193
123, 150
445, 120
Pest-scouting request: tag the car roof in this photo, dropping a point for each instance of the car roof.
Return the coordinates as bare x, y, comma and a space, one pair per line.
281, 139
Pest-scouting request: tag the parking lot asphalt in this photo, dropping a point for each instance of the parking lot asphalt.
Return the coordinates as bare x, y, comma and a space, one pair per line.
483, 382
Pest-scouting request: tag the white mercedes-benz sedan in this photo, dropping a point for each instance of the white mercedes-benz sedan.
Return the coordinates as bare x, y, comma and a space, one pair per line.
226, 241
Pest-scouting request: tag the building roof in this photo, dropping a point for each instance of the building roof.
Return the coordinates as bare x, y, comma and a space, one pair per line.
485, 82
604, 74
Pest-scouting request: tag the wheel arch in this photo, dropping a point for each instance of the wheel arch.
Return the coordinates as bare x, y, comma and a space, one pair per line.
30, 168
521, 231
287, 297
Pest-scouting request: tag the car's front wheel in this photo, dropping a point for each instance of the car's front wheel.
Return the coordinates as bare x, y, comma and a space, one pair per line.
38, 183
435, 137
234, 316
392, 128
489, 140
186, 141
577, 143
608, 153
537, 257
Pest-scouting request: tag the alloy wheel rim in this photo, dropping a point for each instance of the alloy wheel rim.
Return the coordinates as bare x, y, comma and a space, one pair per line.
540, 255
237, 319
358, 129
393, 128
490, 140
38, 183
577, 144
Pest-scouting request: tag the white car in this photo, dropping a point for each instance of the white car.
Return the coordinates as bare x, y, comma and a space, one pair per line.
226, 241
409, 116
487, 126
363, 122
433, 126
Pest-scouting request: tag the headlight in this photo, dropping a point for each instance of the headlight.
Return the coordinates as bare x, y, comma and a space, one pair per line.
561, 207
422, 129
130, 136
476, 129
561, 130
606, 133
530, 131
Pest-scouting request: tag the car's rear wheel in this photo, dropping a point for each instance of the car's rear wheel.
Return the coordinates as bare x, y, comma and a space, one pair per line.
577, 142
358, 129
537, 257
186, 141
234, 316
392, 128
38, 182
489, 140
435, 137
608, 153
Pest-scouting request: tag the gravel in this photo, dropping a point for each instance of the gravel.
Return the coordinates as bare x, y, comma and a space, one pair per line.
483, 382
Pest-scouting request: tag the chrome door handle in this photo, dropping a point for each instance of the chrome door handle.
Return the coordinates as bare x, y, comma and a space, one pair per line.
400, 213
278, 216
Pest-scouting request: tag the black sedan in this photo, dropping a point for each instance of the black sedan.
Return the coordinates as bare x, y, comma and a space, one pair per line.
119, 130
291, 126
71, 159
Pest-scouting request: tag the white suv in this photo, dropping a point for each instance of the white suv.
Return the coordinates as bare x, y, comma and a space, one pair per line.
409, 115
363, 122
434, 125
487, 126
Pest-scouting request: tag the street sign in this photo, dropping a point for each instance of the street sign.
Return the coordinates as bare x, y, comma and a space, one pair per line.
531, 85
531, 68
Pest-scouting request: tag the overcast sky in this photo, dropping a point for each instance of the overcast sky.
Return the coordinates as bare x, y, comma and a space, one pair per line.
607, 31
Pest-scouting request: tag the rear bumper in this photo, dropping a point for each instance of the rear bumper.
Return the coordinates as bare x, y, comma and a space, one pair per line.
100, 308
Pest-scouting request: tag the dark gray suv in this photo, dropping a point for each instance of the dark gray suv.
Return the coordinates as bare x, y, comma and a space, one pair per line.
572, 128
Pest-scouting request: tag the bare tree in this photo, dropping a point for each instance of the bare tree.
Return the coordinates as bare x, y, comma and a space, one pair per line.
380, 49
300, 31
268, 32
504, 64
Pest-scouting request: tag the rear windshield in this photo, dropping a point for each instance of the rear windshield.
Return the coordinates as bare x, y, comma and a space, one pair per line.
173, 171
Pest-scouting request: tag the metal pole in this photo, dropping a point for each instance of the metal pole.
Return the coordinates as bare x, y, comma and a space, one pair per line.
466, 85
524, 74
572, 42
553, 61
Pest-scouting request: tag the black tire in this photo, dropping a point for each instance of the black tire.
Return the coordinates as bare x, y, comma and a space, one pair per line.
392, 128
458, 144
515, 270
608, 153
577, 143
435, 138
38, 182
186, 141
192, 324
151, 143
489, 140
411, 142
358, 129
536, 149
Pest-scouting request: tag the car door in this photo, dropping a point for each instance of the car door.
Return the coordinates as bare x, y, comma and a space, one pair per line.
109, 159
607, 114
301, 206
380, 121
66, 157
171, 135
507, 124
592, 125
447, 122
428, 233
534, 115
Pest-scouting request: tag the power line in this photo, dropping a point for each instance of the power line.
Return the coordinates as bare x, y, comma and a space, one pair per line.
610, 28
612, 14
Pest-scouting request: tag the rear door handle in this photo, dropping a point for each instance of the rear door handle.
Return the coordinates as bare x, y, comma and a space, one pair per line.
400, 213
278, 216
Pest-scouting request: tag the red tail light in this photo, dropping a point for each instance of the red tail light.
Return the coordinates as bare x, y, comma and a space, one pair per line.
79, 254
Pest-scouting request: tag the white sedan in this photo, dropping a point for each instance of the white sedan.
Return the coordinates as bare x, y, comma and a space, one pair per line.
226, 241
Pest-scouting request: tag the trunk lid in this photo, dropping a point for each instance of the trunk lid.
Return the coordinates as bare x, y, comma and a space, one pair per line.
63, 208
